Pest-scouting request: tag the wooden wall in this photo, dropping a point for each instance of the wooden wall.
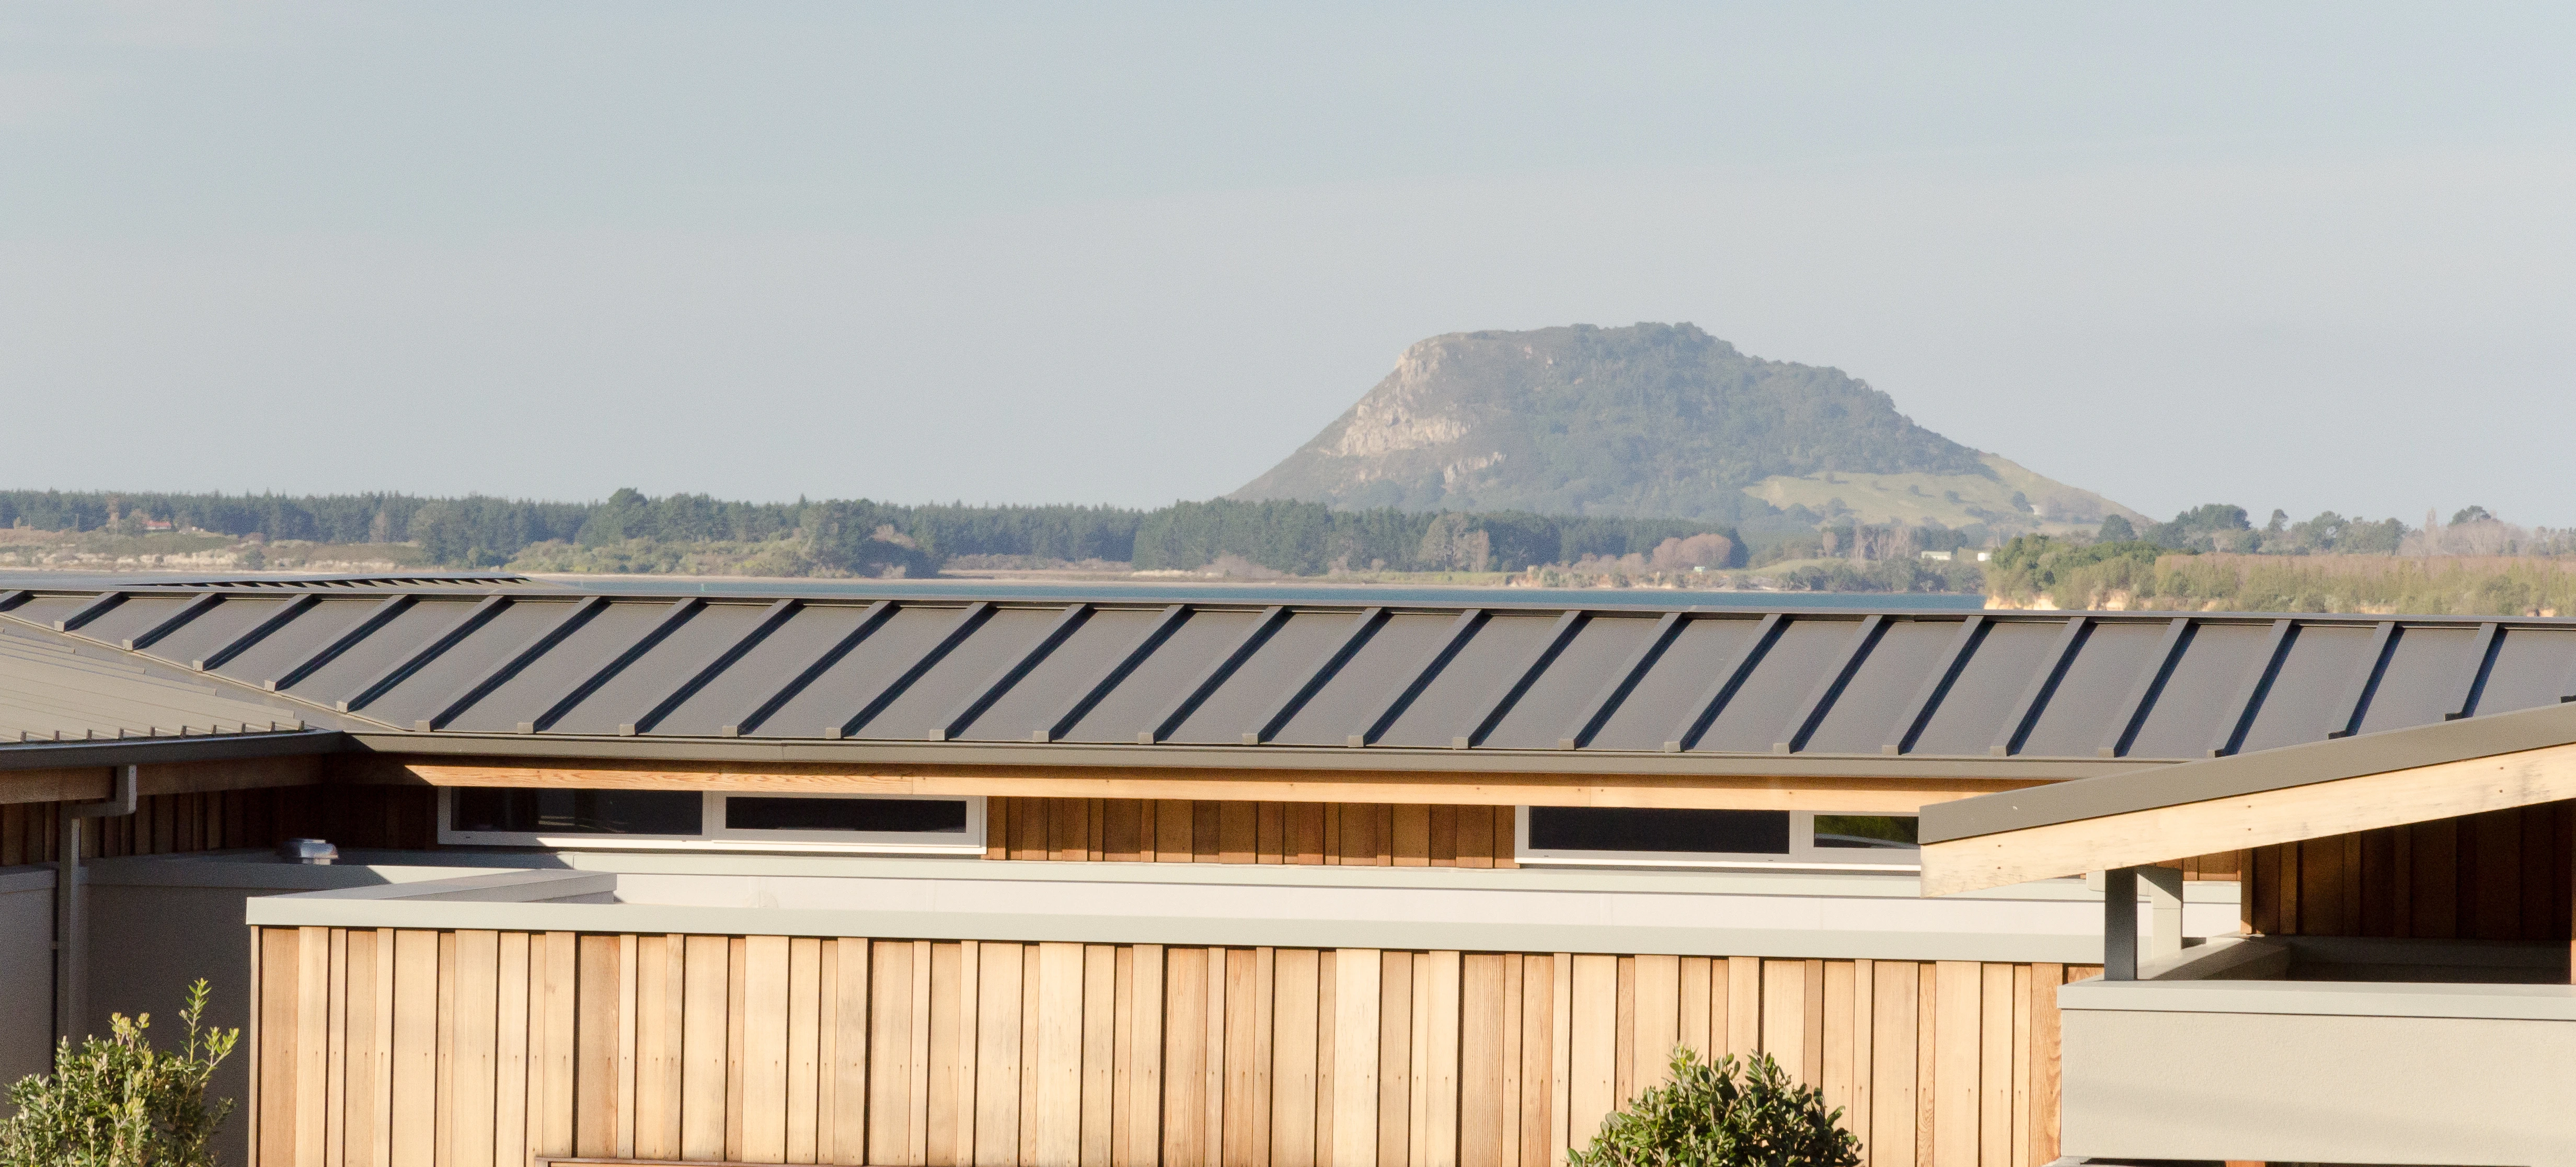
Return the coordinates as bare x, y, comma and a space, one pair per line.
386, 1048
168, 824
1206, 831
2503, 875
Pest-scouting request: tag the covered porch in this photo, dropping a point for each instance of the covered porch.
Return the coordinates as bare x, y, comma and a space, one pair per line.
2399, 992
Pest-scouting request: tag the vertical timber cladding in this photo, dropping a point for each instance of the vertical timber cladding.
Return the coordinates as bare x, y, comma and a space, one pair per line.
404, 1048
2500, 875
1212, 831
216, 820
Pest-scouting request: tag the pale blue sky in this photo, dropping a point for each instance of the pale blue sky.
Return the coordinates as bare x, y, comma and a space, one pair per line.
2305, 256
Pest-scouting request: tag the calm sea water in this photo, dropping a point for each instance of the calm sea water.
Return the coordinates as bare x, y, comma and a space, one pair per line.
1297, 593
1201, 591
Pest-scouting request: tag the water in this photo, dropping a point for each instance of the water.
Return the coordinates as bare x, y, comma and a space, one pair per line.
1290, 593
1200, 591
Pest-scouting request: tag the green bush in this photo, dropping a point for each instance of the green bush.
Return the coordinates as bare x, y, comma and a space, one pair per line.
117, 1102
1723, 1115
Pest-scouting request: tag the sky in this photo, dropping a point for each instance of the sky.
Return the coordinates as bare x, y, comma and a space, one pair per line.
2306, 256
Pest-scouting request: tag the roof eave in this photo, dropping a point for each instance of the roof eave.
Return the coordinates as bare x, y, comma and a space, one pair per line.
1380, 759
157, 751
2177, 784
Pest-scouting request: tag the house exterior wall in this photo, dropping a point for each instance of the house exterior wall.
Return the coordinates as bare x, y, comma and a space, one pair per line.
174, 824
26, 971
469, 1048
2268, 1083
1211, 831
2502, 875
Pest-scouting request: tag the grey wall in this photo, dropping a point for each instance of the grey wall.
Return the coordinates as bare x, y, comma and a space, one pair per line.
26, 971
2319, 1088
157, 923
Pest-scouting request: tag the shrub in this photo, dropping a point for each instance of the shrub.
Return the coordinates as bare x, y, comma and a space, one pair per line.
1723, 1115
117, 1102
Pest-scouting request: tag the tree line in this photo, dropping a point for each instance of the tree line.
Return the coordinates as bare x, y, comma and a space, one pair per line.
869, 537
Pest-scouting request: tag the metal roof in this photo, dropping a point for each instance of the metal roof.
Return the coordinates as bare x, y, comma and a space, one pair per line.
2230, 777
52, 692
1688, 688
278, 583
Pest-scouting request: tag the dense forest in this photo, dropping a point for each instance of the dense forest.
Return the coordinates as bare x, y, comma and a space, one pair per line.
873, 538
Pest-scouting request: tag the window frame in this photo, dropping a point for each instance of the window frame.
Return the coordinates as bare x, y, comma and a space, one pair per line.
715, 836
1803, 853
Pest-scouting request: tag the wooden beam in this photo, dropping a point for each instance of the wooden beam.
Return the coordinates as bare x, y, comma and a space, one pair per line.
1839, 795
232, 774
2288, 815
92, 783
66, 784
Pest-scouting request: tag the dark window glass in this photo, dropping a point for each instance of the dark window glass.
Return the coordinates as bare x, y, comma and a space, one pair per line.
578, 812
907, 815
1865, 830
1600, 828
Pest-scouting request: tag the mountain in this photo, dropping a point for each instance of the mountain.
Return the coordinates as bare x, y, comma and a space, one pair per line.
1653, 419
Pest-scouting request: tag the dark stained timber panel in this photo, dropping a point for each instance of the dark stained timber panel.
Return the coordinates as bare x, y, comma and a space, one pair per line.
1359, 690
2425, 678
2011, 652
2309, 691
1779, 686
2200, 695
551, 677
1492, 655
925, 705
1283, 662
1130, 708
2532, 668
1704, 649
1861, 720
1545, 711
2100, 677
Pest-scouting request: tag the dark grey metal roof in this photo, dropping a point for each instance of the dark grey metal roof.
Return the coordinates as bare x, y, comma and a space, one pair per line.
1886, 690
297, 583
52, 691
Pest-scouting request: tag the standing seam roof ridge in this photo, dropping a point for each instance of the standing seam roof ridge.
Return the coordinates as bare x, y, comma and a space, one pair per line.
968, 621
980, 699
1409, 685
1705, 711
1497, 705
1312, 680
771, 619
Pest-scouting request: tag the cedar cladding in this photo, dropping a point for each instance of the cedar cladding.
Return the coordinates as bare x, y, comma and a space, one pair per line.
1132, 830
2502, 875
393, 1047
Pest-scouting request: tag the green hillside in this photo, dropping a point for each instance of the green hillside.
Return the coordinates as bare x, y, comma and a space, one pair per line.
1652, 419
